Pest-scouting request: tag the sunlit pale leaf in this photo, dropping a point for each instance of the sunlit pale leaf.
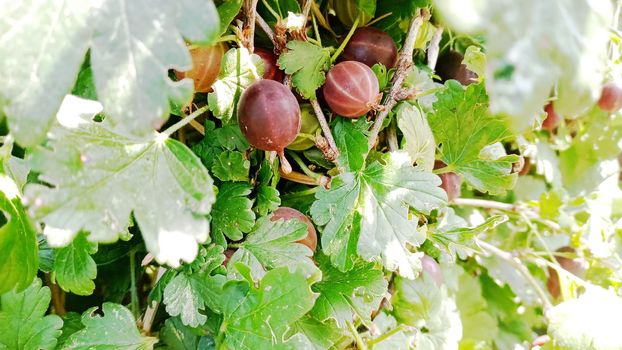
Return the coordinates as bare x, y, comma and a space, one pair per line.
100, 177
116, 329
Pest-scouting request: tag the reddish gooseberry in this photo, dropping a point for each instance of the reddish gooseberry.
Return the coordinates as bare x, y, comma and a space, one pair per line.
449, 66
271, 70
370, 45
451, 182
205, 67
611, 97
552, 119
432, 269
286, 214
351, 89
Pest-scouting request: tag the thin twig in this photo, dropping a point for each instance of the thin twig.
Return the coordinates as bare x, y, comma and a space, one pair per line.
483, 203
265, 27
180, 124
152, 309
324, 125
514, 261
434, 48
250, 9
404, 63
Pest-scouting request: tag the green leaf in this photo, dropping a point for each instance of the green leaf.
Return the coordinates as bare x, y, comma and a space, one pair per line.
19, 256
477, 324
367, 6
176, 336
267, 197
74, 268
271, 244
384, 194
463, 126
321, 335
238, 70
129, 65
258, 317
186, 295
100, 177
215, 141
85, 84
581, 164
334, 209
231, 166
22, 321
590, 322
232, 214
72, 322
227, 12
307, 64
419, 141
352, 145
581, 35
116, 329
475, 61
345, 294
420, 303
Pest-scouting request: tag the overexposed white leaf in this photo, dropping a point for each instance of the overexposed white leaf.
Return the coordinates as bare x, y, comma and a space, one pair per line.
419, 143
534, 47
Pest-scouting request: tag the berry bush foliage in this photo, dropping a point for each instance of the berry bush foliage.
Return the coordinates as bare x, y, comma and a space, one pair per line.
313, 174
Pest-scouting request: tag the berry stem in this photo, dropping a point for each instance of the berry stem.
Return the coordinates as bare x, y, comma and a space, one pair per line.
285, 166
404, 63
514, 261
305, 169
324, 126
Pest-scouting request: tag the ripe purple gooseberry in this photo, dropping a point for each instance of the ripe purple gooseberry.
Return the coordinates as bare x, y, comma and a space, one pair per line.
269, 117
370, 45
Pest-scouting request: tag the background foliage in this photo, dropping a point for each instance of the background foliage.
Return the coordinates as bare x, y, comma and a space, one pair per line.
123, 227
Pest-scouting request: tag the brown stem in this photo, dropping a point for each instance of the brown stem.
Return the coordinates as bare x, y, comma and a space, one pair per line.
198, 127
250, 8
434, 48
58, 296
265, 27
404, 63
325, 128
